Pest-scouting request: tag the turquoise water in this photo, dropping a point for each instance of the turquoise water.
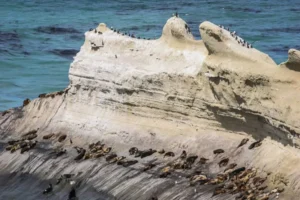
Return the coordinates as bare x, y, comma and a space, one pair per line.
34, 33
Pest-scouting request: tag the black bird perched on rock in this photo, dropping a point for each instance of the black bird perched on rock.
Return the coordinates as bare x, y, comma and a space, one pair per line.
48, 190
176, 14
72, 194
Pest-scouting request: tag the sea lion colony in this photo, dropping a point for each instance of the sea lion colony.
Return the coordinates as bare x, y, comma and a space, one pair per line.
232, 179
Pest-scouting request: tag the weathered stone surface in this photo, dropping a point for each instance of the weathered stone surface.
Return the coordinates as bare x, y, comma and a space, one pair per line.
174, 93
293, 61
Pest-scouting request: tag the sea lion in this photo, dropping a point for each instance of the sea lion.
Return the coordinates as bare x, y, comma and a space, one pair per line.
133, 150
99, 154
34, 131
62, 137
26, 102
99, 32
46, 137
78, 149
48, 189
201, 178
80, 155
237, 171
43, 95
61, 152
196, 172
257, 181
183, 154
230, 166
12, 142
87, 155
129, 163
110, 157
147, 153
219, 190
162, 151
9, 147
169, 154
191, 159
255, 144
24, 149
243, 142
223, 162
148, 166
117, 159
218, 151
166, 171
30, 136
203, 160
107, 149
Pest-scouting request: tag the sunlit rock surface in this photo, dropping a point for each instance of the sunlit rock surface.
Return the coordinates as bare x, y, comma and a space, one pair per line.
175, 93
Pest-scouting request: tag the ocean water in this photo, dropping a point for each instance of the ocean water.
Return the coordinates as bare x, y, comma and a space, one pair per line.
38, 39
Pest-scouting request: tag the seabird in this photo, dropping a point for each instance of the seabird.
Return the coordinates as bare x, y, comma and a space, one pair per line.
176, 14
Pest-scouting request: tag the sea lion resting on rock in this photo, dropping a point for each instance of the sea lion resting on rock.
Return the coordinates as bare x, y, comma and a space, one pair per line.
80, 155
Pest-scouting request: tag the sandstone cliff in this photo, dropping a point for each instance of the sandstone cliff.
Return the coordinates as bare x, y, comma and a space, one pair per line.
175, 93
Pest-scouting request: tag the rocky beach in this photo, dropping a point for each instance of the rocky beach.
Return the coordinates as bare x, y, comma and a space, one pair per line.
167, 118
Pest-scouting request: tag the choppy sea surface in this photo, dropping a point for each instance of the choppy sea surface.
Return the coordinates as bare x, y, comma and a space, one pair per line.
38, 39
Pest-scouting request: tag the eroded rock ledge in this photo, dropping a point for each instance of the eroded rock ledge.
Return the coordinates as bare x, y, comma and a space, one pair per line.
174, 93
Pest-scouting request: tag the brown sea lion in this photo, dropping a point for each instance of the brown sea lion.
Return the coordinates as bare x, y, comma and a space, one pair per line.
230, 166
129, 163
243, 142
80, 155
12, 142
107, 149
162, 151
201, 178
255, 144
133, 150
62, 137
203, 160
26, 102
110, 157
47, 137
169, 154
218, 151
147, 153
219, 190
166, 171
43, 95
237, 171
191, 159
223, 162
148, 166
61, 152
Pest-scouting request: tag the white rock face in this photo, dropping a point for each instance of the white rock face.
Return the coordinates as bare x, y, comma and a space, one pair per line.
176, 93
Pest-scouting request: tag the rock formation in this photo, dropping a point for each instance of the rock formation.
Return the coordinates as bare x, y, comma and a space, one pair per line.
293, 61
171, 93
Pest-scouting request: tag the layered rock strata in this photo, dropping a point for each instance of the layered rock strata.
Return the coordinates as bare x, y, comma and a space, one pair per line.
175, 93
